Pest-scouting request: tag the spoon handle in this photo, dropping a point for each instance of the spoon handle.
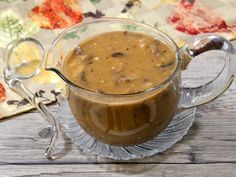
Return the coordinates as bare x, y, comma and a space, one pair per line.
22, 90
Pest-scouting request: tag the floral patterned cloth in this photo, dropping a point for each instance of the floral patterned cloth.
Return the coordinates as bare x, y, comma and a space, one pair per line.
45, 19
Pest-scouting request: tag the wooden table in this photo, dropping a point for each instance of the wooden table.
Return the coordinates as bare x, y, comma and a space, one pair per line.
209, 149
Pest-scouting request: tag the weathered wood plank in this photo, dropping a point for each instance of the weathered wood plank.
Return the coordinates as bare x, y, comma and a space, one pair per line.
211, 139
120, 170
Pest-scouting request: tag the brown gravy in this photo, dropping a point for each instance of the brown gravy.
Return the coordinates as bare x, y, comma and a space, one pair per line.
121, 63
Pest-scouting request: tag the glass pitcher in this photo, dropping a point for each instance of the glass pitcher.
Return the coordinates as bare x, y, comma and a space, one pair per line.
153, 108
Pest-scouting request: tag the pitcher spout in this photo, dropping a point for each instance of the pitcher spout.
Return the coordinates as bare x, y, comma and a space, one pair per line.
54, 63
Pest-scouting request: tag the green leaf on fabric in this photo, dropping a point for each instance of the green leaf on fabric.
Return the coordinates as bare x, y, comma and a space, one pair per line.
12, 27
8, 1
130, 27
156, 25
71, 35
95, 1
74, 34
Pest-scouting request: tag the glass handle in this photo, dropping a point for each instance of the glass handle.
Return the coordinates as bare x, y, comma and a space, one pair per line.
191, 97
20, 88
13, 78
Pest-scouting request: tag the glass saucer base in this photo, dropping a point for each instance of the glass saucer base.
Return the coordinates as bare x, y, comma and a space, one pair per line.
175, 131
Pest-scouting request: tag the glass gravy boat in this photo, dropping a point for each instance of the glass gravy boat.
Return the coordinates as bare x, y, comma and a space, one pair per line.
153, 108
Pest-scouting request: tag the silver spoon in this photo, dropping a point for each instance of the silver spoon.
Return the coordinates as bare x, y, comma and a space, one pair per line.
13, 78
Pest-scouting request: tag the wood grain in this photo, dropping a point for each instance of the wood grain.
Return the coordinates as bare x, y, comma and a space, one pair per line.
211, 139
120, 170
207, 150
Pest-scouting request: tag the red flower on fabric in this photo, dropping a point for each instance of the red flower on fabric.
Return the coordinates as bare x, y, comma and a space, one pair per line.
53, 14
192, 18
2, 93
